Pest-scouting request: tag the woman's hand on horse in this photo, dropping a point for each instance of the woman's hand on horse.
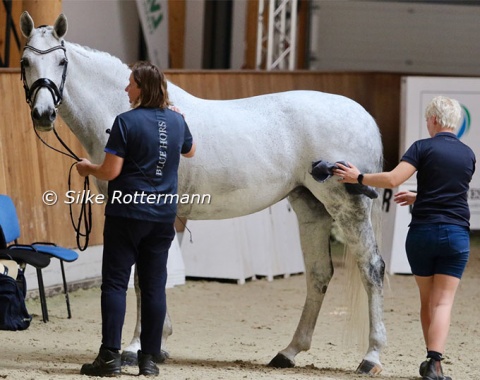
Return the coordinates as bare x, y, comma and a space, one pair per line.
177, 110
347, 174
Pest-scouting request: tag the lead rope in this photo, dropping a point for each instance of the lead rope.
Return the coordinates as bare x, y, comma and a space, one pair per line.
85, 216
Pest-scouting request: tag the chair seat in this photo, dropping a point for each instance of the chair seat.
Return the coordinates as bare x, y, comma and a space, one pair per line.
37, 254
35, 259
64, 254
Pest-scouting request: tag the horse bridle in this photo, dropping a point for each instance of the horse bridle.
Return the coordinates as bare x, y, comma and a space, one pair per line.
57, 95
56, 92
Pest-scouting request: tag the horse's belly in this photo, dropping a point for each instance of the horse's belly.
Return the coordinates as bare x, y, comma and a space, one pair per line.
213, 203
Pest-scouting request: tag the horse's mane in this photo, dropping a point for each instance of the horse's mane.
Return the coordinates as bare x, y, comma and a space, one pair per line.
110, 73
92, 50
110, 64
102, 57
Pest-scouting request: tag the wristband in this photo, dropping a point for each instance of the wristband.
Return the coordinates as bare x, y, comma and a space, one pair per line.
360, 179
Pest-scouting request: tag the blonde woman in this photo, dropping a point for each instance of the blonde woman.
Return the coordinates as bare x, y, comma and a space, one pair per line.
438, 243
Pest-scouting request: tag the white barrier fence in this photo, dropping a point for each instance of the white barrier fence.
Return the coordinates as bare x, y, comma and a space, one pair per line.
266, 244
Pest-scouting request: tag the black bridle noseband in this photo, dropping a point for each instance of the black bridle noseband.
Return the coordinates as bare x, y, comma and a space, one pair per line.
57, 93
85, 216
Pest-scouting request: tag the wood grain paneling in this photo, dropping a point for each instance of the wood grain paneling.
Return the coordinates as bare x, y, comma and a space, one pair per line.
378, 93
14, 51
176, 32
43, 12
28, 168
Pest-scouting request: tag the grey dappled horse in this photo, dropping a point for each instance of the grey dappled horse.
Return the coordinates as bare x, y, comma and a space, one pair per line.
251, 153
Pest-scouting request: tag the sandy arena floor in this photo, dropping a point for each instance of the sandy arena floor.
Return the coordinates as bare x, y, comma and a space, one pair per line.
227, 331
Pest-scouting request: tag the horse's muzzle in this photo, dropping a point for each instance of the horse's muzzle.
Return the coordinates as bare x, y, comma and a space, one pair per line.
43, 121
43, 128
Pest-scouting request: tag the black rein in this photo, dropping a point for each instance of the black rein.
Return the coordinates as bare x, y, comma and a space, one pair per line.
85, 216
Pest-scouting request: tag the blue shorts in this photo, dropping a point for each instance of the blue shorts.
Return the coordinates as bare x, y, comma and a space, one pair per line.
438, 249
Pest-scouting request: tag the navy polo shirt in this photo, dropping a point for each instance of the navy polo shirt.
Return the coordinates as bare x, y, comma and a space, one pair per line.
445, 167
151, 141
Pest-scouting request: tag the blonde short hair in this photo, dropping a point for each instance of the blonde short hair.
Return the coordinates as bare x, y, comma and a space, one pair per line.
447, 111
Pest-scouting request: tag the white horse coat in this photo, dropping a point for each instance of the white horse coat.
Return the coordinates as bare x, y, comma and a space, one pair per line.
251, 153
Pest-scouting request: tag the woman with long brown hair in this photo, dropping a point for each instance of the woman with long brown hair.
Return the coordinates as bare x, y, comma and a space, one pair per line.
141, 162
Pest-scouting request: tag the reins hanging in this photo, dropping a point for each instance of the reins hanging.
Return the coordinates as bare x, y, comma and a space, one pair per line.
85, 216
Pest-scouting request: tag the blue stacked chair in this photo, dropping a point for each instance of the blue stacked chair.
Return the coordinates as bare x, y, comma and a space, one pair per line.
37, 254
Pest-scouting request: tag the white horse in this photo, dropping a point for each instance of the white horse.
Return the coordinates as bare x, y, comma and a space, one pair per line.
251, 154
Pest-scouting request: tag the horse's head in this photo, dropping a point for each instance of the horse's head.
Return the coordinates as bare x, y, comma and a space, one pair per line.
44, 69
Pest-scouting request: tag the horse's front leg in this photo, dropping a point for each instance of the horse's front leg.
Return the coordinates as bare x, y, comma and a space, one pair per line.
129, 354
314, 225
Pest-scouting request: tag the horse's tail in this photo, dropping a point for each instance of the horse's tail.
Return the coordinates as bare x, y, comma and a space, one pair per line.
356, 333
357, 319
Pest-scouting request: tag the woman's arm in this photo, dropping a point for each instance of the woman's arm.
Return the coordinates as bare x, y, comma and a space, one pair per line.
108, 170
387, 180
190, 153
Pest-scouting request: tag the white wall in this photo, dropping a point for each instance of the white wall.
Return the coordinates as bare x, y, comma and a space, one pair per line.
237, 58
361, 35
395, 37
113, 26
194, 34
106, 25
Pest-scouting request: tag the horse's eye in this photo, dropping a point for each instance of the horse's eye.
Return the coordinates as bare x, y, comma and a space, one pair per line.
63, 62
25, 62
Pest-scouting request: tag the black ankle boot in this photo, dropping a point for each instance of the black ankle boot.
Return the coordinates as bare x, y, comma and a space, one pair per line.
107, 364
146, 364
423, 368
433, 371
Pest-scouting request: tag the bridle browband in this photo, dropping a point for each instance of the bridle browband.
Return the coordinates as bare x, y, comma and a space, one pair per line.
57, 93
85, 215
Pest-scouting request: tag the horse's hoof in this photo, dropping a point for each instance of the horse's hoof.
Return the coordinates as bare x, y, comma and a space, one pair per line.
281, 361
367, 367
129, 358
159, 359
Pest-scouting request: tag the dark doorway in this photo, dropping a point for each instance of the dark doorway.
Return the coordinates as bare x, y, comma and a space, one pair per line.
217, 34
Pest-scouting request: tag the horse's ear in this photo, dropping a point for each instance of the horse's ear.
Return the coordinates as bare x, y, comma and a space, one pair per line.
26, 24
60, 26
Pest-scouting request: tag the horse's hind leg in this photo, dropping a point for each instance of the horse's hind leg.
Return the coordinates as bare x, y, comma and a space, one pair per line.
314, 225
354, 219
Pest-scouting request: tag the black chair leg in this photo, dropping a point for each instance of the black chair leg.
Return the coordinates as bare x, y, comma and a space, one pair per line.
65, 289
43, 299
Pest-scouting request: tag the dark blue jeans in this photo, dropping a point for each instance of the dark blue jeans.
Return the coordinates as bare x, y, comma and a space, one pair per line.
438, 249
126, 242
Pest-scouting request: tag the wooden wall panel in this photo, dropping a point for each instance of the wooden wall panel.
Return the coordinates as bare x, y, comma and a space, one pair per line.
378, 93
176, 33
251, 35
14, 51
43, 12
28, 168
